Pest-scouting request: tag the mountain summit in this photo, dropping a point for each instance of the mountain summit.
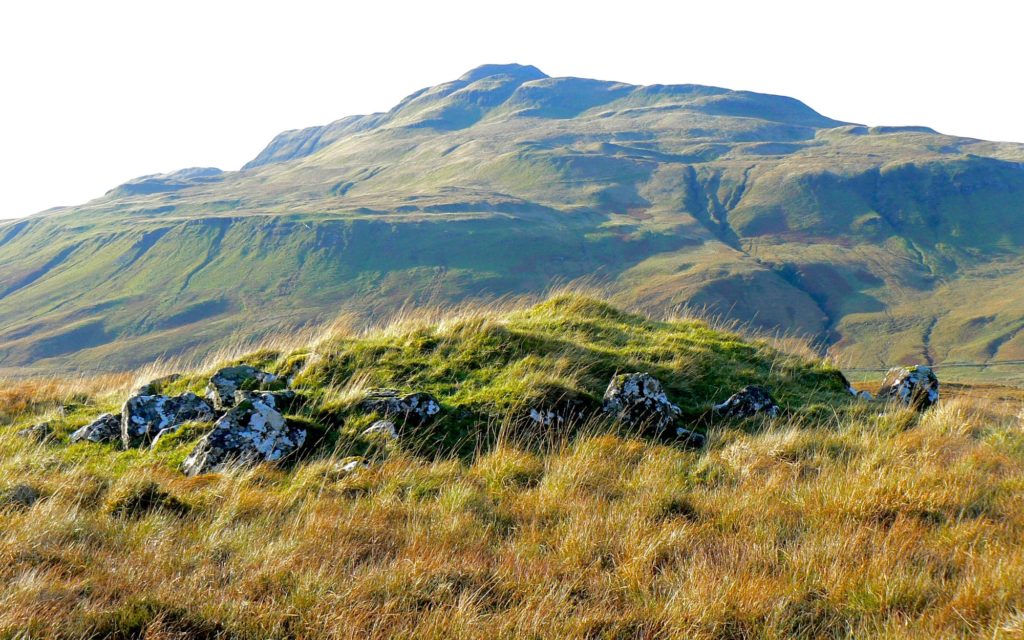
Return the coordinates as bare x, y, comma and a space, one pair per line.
887, 243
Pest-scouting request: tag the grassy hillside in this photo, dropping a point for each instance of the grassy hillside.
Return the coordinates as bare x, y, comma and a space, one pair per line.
838, 518
506, 180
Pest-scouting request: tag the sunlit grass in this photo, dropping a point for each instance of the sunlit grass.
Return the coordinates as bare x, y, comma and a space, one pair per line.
867, 521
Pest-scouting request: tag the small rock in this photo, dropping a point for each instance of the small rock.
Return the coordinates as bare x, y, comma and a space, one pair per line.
865, 395
749, 401
638, 400
223, 384
916, 386
253, 431
562, 414
384, 428
143, 417
41, 432
415, 408
353, 465
691, 438
106, 428
19, 496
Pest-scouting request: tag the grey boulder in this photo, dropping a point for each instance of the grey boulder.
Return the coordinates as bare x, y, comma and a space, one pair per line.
106, 428
691, 438
414, 408
143, 417
916, 387
382, 428
41, 432
253, 431
638, 400
748, 402
21, 496
223, 384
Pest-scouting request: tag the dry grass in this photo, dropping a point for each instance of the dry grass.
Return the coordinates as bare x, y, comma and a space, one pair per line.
873, 522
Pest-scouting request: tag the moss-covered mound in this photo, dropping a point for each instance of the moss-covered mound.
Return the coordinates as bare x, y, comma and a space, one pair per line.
490, 369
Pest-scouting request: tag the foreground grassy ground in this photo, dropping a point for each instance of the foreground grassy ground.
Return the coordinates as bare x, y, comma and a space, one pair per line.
837, 519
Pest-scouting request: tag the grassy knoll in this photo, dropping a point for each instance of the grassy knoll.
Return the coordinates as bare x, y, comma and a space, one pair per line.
837, 519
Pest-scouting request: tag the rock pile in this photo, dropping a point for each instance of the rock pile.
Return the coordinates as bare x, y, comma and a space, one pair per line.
250, 426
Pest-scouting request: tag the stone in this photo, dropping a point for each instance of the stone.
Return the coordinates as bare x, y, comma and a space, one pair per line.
560, 413
916, 387
252, 431
143, 417
106, 428
21, 496
353, 465
691, 438
41, 432
223, 384
747, 402
638, 400
865, 395
382, 428
415, 408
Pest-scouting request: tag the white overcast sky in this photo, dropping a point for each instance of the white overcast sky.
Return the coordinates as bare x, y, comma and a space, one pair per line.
95, 93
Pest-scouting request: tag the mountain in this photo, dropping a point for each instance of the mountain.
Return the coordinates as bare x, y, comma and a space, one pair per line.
887, 243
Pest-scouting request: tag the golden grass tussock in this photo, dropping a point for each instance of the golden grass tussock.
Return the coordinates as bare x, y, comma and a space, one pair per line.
872, 522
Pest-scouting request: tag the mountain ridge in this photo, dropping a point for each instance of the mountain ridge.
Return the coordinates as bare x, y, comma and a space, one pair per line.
499, 182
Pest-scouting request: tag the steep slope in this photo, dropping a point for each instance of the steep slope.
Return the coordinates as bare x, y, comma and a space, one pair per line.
890, 243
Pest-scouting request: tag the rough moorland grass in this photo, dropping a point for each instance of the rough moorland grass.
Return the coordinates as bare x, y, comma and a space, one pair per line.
867, 521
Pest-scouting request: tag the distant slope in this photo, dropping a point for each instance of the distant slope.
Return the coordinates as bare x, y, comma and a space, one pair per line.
890, 243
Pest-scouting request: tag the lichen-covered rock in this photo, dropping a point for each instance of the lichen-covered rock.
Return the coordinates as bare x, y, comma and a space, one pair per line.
747, 402
20, 496
41, 432
562, 412
106, 428
253, 431
691, 438
414, 408
638, 400
381, 428
916, 386
143, 417
223, 384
